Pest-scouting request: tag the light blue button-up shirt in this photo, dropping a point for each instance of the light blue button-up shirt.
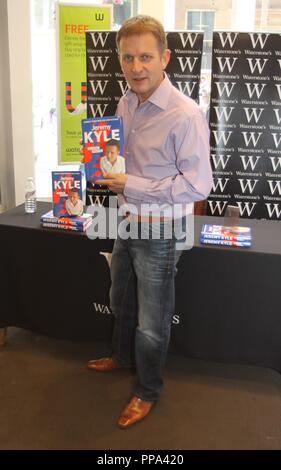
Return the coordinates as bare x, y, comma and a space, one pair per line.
167, 150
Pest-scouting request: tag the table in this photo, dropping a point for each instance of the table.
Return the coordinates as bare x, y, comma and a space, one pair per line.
227, 299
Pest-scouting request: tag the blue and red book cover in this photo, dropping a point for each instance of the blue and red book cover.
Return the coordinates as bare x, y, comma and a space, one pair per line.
103, 146
82, 221
226, 235
67, 193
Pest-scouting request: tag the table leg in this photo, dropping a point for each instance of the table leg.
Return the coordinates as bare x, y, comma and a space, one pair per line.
3, 336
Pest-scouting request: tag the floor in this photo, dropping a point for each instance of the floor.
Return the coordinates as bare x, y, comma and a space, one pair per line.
49, 400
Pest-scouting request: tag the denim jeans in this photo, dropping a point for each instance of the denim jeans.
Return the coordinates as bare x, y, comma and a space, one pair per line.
142, 301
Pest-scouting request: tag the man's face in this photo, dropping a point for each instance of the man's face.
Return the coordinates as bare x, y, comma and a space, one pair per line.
111, 152
73, 197
142, 63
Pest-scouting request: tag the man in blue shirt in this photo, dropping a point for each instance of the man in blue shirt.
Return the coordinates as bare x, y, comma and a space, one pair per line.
167, 166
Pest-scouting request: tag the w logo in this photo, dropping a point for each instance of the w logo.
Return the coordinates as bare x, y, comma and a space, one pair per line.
123, 86
187, 62
258, 38
188, 37
219, 184
99, 62
226, 63
99, 38
258, 64
227, 38
186, 87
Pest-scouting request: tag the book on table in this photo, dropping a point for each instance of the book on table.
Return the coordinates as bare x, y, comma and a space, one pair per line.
67, 194
72, 228
226, 235
80, 223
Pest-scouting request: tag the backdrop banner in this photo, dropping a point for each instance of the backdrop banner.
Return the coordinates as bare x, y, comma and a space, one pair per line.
185, 64
73, 21
106, 82
245, 123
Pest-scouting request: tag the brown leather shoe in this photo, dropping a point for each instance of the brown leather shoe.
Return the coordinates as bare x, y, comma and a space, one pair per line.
135, 411
105, 364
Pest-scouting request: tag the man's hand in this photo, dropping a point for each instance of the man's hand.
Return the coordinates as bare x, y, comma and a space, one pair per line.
115, 182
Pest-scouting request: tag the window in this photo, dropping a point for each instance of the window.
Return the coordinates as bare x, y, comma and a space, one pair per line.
43, 40
121, 11
203, 21
43, 15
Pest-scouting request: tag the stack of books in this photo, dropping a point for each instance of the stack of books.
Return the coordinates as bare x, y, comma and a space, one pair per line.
228, 236
77, 224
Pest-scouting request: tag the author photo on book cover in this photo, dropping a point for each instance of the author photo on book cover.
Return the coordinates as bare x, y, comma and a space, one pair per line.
112, 162
167, 166
74, 205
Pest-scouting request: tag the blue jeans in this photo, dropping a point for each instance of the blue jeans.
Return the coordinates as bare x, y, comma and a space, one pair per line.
142, 300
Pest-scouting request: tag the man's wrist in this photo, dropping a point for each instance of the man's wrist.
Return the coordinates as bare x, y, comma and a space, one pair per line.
135, 187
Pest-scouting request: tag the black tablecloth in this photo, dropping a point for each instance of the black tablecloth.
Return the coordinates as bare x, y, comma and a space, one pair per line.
227, 299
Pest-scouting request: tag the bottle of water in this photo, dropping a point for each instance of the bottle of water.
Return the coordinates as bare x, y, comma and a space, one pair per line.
30, 196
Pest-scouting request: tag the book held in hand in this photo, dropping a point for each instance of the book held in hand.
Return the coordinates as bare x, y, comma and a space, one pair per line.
226, 235
67, 193
103, 146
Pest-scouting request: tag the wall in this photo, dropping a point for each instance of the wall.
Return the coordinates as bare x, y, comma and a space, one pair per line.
223, 9
21, 93
6, 140
16, 132
153, 8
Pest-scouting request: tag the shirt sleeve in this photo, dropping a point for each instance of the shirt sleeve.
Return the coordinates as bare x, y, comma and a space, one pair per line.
68, 205
102, 165
192, 155
122, 165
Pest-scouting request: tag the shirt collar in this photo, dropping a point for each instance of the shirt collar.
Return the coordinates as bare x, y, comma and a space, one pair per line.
159, 97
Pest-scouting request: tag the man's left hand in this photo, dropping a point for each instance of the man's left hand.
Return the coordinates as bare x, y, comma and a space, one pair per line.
115, 182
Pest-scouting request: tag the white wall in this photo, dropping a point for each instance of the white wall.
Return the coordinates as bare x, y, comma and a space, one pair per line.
155, 8
21, 93
6, 140
243, 15
162, 10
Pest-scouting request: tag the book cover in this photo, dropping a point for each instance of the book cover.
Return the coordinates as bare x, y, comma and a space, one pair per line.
83, 220
67, 194
65, 227
103, 146
217, 241
222, 232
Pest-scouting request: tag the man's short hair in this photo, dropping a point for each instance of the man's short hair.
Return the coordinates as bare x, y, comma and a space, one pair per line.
113, 142
74, 190
143, 24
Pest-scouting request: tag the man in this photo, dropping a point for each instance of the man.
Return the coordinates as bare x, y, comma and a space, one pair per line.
112, 162
167, 159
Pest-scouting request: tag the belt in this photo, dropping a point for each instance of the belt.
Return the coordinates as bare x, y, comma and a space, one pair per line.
146, 218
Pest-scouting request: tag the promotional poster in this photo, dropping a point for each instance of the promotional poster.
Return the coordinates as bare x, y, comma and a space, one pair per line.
245, 124
73, 21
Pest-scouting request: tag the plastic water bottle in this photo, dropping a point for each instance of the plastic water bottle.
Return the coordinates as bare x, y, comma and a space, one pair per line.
30, 196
